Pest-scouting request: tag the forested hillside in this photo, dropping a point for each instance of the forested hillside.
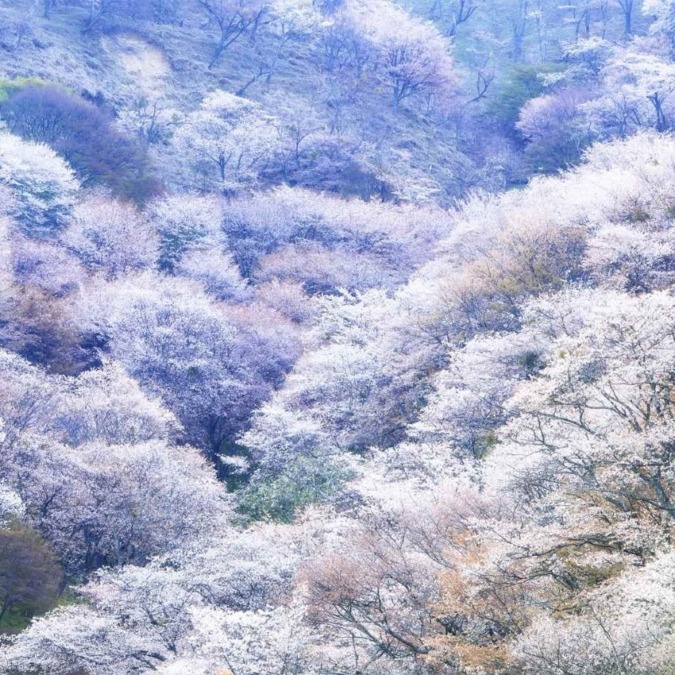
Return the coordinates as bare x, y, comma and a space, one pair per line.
337, 337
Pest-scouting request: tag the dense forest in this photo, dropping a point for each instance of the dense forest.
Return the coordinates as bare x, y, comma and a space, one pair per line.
337, 337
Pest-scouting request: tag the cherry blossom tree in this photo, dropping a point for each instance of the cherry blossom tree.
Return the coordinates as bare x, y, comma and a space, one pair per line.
638, 88
218, 604
185, 223
106, 404
210, 364
412, 54
42, 185
229, 136
105, 504
111, 238
626, 628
